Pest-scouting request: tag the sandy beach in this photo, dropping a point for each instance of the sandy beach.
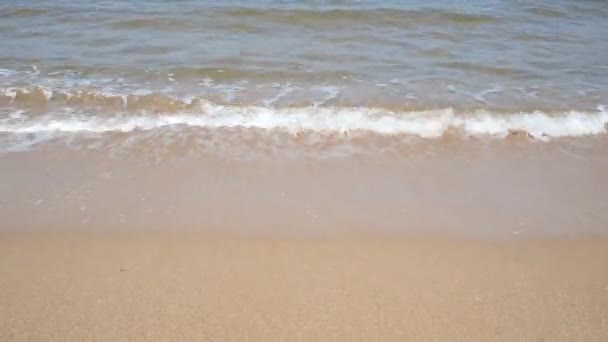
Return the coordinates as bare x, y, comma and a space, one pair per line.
293, 170
191, 286
413, 248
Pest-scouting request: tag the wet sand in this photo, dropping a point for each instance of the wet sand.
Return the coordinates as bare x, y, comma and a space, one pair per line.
492, 189
194, 286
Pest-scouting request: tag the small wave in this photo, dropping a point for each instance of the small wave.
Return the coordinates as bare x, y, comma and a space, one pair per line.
112, 99
23, 12
164, 23
547, 12
485, 69
424, 124
339, 16
88, 98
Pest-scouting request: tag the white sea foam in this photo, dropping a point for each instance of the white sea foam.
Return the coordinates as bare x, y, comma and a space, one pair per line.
7, 72
425, 124
12, 92
283, 90
329, 93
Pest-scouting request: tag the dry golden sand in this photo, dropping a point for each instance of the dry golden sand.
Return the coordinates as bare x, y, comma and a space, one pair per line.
203, 286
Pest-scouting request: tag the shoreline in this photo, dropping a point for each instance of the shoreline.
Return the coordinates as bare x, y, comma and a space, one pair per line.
313, 170
194, 285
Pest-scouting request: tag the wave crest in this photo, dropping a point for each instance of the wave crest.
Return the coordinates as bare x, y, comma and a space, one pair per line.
330, 120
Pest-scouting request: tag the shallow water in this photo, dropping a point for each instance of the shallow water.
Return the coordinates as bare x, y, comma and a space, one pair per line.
383, 67
550, 53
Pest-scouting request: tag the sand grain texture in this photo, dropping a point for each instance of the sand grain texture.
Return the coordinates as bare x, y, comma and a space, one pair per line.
190, 286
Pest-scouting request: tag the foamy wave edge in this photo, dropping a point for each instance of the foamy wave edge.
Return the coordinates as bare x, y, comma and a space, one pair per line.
425, 124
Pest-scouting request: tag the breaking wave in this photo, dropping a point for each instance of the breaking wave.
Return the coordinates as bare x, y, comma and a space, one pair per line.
330, 120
